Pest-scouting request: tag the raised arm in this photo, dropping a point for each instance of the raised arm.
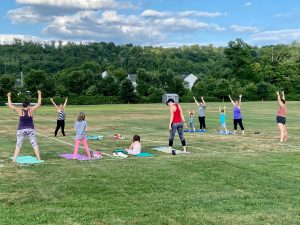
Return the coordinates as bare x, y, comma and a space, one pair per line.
189, 112
224, 109
51, 100
240, 99
283, 96
65, 104
231, 100
196, 101
279, 99
219, 109
202, 98
39, 103
10, 105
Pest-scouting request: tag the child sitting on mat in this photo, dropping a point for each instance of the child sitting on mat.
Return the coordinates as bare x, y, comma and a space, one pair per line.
191, 120
136, 146
223, 119
80, 127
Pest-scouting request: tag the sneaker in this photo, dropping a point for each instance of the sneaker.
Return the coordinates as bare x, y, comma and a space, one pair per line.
115, 154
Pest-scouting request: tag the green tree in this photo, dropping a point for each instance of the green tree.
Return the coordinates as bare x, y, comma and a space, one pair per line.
127, 91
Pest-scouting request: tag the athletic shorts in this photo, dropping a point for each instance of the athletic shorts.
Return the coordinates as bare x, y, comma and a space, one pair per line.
281, 119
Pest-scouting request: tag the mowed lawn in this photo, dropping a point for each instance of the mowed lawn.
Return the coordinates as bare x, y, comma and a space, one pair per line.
227, 179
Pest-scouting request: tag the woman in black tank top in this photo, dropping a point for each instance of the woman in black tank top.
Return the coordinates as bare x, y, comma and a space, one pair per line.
26, 127
61, 116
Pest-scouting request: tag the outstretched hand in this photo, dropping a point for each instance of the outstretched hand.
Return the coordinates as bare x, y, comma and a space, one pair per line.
8, 94
282, 92
39, 92
240, 95
277, 92
51, 99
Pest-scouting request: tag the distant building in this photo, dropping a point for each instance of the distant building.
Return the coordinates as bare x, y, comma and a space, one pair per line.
132, 78
190, 79
104, 74
167, 96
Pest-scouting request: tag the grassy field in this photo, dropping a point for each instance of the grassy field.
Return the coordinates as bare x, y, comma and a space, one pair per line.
230, 179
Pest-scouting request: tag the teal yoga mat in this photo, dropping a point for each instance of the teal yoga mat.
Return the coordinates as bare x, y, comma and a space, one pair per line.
145, 154
27, 160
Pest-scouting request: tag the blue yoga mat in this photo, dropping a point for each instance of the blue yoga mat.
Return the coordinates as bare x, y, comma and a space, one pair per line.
145, 154
27, 160
196, 131
224, 132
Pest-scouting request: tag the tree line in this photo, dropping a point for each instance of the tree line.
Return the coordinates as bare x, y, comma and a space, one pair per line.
75, 70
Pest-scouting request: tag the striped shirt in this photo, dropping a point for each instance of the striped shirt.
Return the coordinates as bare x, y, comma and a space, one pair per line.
61, 115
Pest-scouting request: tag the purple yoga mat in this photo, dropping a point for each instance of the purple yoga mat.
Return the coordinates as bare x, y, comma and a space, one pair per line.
70, 156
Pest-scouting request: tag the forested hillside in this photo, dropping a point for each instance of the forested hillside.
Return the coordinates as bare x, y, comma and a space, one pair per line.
75, 70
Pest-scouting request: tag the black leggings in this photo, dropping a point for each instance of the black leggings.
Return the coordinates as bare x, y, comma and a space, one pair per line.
202, 122
60, 124
236, 122
179, 128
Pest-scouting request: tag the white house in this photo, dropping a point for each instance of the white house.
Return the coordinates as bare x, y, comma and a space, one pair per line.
132, 78
190, 79
104, 74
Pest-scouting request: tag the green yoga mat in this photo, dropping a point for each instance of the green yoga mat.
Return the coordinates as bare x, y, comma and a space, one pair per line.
27, 160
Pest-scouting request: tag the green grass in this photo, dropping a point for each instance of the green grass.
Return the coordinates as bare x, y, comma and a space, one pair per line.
234, 180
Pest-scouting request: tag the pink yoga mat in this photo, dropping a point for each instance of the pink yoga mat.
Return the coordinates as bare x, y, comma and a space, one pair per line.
79, 157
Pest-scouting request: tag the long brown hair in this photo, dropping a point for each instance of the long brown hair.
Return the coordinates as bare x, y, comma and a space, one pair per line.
81, 117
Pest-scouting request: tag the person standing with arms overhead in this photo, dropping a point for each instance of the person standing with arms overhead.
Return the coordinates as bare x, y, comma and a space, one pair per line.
201, 112
176, 123
26, 126
237, 115
61, 116
281, 117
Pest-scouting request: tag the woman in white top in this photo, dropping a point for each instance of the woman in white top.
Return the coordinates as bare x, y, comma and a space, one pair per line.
136, 146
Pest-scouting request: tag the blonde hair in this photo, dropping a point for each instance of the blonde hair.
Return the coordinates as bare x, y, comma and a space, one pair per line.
81, 117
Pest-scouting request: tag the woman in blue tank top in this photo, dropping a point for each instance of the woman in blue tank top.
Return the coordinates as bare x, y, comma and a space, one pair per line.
237, 115
26, 126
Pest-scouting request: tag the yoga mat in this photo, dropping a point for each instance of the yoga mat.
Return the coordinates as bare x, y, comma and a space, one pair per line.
27, 160
79, 157
166, 150
120, 150
222, 132
93, 137
145, 154
196, 131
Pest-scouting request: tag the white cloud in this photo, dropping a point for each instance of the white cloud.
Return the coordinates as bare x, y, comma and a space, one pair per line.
276, 36
9, 38
27, 14
200, 14
283, 15
97, 20
74, 4
243, 29
155, 13
248, 3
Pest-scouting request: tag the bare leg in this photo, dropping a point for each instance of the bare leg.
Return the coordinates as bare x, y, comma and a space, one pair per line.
281, 129
17, 151
37, 152
285, 133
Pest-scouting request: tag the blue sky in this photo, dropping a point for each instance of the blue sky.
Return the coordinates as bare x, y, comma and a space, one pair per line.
152, 22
